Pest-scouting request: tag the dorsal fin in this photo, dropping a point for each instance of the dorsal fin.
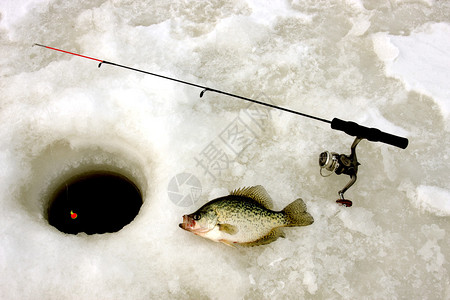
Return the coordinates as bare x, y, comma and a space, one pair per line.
257, 193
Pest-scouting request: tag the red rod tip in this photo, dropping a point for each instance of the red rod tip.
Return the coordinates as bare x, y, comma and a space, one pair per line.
68, 52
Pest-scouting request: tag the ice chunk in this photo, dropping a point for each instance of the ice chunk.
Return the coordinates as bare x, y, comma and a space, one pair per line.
309, 279
383, 47
433, 199
267, 12
360, 25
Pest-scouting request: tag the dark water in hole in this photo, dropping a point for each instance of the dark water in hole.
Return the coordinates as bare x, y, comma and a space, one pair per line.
97, 202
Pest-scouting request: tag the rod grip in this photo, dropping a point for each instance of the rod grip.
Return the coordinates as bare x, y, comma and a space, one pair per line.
371, 134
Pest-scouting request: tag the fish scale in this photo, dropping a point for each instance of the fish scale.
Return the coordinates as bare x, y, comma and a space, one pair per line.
244, 218
248, 215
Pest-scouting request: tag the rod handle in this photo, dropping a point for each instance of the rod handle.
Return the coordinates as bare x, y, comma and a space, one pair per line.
371, 134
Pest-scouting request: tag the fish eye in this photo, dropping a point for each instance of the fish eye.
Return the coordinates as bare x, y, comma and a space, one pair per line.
196, 217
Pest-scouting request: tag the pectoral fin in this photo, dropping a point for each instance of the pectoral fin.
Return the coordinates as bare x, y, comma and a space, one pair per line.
228, 228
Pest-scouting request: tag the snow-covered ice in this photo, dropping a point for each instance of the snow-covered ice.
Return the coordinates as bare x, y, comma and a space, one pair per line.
420, 60
382, 64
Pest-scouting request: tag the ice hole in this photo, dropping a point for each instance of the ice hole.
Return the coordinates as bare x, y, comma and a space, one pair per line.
82, 187
94, 202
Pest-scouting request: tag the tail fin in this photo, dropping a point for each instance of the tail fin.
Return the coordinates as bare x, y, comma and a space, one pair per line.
296, 214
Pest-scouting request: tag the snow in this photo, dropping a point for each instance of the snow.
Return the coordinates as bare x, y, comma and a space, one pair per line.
12, 11
433, 199
381, 65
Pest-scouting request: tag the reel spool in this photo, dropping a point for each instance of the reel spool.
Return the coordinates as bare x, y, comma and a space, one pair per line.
341, 164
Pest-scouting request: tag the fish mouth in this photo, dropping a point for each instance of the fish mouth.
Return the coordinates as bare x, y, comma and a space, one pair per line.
188, 223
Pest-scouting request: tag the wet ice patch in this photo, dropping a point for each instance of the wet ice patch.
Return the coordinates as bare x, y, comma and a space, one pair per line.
372, 117
420, 60
431, 252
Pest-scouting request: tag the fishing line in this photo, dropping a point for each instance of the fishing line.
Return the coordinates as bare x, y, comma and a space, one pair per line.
351, 128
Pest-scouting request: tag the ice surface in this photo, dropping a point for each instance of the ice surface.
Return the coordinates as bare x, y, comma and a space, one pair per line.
420, 60
382, 64
434, 199
12, 11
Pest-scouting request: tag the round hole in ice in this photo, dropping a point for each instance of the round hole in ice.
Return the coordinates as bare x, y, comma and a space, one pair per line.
109, 180
94, 202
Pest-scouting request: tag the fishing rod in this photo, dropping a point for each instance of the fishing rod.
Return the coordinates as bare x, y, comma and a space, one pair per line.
333, 162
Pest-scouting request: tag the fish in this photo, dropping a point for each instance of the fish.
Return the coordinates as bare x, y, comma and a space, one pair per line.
245, 218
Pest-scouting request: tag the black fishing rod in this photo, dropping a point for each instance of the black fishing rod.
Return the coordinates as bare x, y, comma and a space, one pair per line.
340, 164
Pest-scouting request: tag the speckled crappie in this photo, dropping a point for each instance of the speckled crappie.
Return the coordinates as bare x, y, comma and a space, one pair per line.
246, 218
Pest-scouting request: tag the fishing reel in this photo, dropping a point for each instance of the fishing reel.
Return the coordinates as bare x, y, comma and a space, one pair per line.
341, 164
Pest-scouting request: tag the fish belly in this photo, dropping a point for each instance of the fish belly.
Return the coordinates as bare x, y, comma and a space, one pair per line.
215, 234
